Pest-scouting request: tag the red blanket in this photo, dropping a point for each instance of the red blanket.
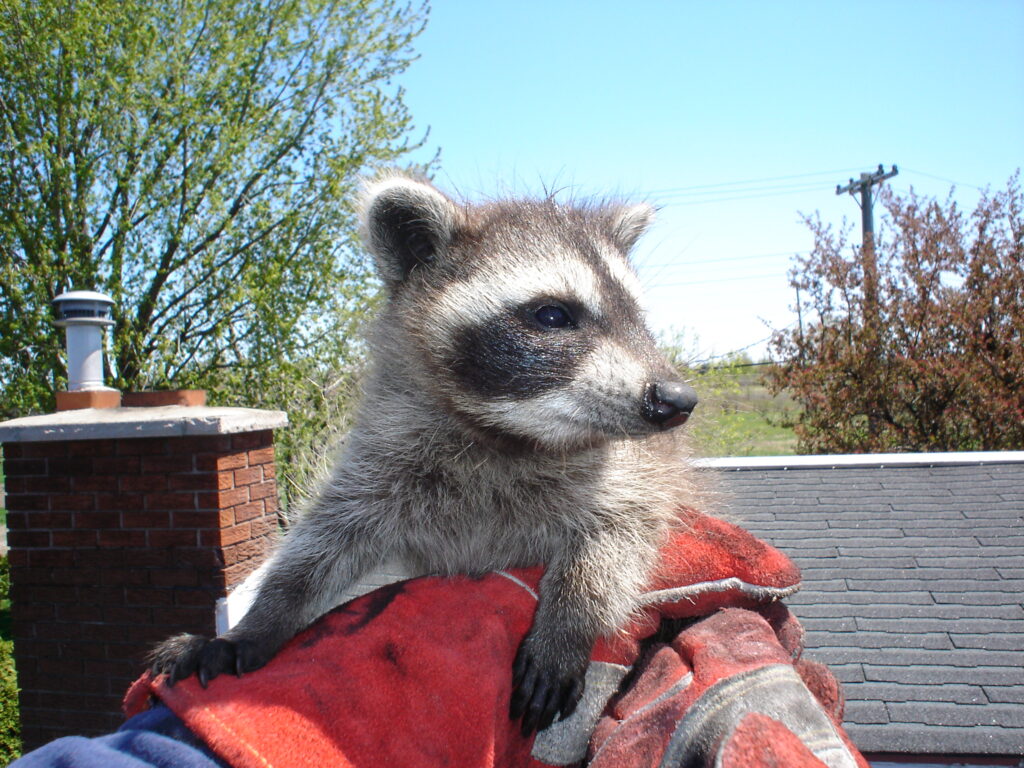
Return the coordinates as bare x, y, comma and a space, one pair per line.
418, 673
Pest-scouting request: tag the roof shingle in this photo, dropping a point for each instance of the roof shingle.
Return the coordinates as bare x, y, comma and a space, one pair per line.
913, 581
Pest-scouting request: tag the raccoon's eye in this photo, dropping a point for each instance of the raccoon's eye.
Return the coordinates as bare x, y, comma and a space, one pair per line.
551, 316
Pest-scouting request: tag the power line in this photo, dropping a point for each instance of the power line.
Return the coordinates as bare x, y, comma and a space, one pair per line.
709, 200
673, 190
716, 280
748, 257
942, 178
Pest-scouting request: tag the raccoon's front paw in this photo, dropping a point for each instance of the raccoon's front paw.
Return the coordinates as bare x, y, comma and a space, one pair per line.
543, 687
185, 655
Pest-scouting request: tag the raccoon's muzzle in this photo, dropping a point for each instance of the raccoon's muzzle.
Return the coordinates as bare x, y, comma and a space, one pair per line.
669, 403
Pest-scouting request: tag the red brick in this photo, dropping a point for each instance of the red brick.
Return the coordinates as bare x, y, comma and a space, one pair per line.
262, 456
232, 498
271, 504
48, 520
197, 597
113, 595
95, 483
84, 538
173, 538
151, 556
24, 578
221, 462
128, 576
248, 476
193, 519
182, 577
122, 538
55, 558
171, 501
150, 597
262, 491
23, 520
24, 502
197, 557
249, 511
143, 483
17, 558
185, 617
200, 444
44, 450
145, 519
91, 448
24, 467
117, 465
152, 465
246, 441
77, 613
264, 526
115, 501
70, 467
76, 575
142, 446
29, 647
15, 485
236, 574
57, 595
110, 668
73, 502
89, 635
60, 666
101, 520
42, 485
127, 615
246, 550
28, 538
32, 612
199, 481
235, 534
107, 558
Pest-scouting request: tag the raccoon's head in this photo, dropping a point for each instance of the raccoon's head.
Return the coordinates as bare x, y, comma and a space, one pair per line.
522, 317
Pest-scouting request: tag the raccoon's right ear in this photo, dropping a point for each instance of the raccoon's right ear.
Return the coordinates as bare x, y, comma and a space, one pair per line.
405, 223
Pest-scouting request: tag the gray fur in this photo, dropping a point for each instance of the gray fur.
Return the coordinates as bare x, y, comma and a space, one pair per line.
452, 481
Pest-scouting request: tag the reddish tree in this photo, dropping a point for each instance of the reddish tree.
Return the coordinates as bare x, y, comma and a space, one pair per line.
939, 365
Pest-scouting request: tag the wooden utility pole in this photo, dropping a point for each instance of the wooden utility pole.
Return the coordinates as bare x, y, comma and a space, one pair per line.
867, 251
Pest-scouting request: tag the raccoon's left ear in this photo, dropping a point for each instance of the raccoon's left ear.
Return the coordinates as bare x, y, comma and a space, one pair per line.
629, 222
405, 223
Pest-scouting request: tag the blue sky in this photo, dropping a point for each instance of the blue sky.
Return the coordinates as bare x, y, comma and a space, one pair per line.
676, 102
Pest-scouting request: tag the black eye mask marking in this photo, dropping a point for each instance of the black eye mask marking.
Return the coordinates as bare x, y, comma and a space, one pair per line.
507, 356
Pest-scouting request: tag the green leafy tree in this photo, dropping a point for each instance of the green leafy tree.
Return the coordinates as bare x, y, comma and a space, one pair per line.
195, 159
937, 361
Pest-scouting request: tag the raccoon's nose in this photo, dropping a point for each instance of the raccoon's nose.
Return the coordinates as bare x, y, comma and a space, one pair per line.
669, 403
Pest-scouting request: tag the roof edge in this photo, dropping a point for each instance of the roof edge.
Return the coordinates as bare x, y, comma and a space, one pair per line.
875, 460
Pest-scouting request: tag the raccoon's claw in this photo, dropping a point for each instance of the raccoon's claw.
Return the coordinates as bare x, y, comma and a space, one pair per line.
185, 655
540, 692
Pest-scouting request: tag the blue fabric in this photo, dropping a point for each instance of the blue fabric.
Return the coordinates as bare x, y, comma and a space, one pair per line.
153, 739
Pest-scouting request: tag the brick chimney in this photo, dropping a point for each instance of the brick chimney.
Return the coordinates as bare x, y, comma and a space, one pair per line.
125, 525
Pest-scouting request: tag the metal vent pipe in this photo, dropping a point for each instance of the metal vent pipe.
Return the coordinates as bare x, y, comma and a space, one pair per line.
84, 315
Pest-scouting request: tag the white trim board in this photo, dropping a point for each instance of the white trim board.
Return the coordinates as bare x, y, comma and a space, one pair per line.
876, 460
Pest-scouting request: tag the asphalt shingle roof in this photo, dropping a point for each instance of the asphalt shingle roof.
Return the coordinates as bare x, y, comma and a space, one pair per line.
913, 582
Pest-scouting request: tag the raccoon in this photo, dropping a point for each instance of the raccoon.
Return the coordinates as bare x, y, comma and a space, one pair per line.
517, 412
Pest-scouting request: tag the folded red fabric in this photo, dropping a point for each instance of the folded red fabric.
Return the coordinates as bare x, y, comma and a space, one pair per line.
418, 673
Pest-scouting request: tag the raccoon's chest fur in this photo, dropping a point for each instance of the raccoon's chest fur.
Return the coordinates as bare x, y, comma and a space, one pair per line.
452, 506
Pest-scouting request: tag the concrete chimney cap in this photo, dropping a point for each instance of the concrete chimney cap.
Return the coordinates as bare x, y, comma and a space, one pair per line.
83, 308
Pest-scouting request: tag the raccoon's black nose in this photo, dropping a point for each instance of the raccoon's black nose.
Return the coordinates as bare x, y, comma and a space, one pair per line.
669, 403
